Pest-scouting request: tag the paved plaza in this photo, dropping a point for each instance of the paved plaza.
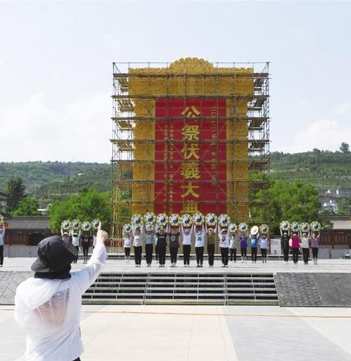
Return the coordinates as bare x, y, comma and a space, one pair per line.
201, 333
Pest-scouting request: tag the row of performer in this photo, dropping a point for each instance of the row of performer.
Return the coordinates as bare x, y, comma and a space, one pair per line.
199, 236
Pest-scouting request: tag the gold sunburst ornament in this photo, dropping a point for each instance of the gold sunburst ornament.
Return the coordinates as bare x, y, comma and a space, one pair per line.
150, 218
243, 227
211, 219
224, 220
198, 219
186, 220
65, 225
137, 220
232, 227
95, 224
75, 225
86, 226
162, 219
127, 228
315, 226
174, 220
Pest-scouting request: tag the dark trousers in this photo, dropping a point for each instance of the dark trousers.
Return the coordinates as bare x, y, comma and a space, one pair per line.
224, 254
137, 254
186, 253
77, 248
162, 254
1, 255
243, 252
85, 250
149, 248
264, 252
254, 254
199, 255
174, 252
295, 255
314, 252
233, 254
286, 254
210, 252
156, 252
305, 254
127, 251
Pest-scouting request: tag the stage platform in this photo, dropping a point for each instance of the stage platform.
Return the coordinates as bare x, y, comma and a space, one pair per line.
327, 284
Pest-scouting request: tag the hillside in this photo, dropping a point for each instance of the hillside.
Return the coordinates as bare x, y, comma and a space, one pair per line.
49, 181
324, 169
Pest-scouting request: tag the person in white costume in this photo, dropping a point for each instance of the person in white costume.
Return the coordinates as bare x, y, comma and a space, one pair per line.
2, 237
47, 306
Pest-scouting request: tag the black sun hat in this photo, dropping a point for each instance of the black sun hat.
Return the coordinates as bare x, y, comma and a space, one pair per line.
53, 255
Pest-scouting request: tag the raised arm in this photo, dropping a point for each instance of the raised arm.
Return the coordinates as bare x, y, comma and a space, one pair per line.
86, 276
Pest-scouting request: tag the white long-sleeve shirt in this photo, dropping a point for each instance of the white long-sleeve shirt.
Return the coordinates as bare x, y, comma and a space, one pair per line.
75, 239
200, 238
49, 311
186, 238
2, 235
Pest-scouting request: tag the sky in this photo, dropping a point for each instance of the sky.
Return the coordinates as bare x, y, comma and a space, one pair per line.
56, 67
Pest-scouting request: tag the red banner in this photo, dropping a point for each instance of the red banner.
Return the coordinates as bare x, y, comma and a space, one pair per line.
190, 154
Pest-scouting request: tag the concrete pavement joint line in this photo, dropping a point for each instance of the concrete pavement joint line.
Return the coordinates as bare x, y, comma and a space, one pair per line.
229, 345
209, 314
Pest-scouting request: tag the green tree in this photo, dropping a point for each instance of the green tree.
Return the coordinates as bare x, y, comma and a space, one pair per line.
290, 201
15, 192
28, 206
344, 148
85, 206
344, 205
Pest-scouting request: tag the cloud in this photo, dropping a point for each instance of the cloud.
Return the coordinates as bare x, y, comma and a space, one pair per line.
324, 134
343, 108
35, 131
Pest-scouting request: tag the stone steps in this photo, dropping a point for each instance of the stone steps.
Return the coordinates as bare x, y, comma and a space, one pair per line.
182, 288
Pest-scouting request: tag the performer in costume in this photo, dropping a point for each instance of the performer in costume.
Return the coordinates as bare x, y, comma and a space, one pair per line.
305, 247
174, 245
285, 245
149, 243
263, 243
314, 246
138, 244
224, 245
162, 245
2, 242
295, 244
187, 233
254, 243
127, 240
211, 244
75, 241
200, 244
232, 246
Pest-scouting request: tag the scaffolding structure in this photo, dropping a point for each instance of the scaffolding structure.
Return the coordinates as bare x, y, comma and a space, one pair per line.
144, 97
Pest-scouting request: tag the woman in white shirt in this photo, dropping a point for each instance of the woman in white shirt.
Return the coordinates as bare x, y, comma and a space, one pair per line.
224, 245
47, 306
75, 241
187, 233
199, 244
137, 243
127, 239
